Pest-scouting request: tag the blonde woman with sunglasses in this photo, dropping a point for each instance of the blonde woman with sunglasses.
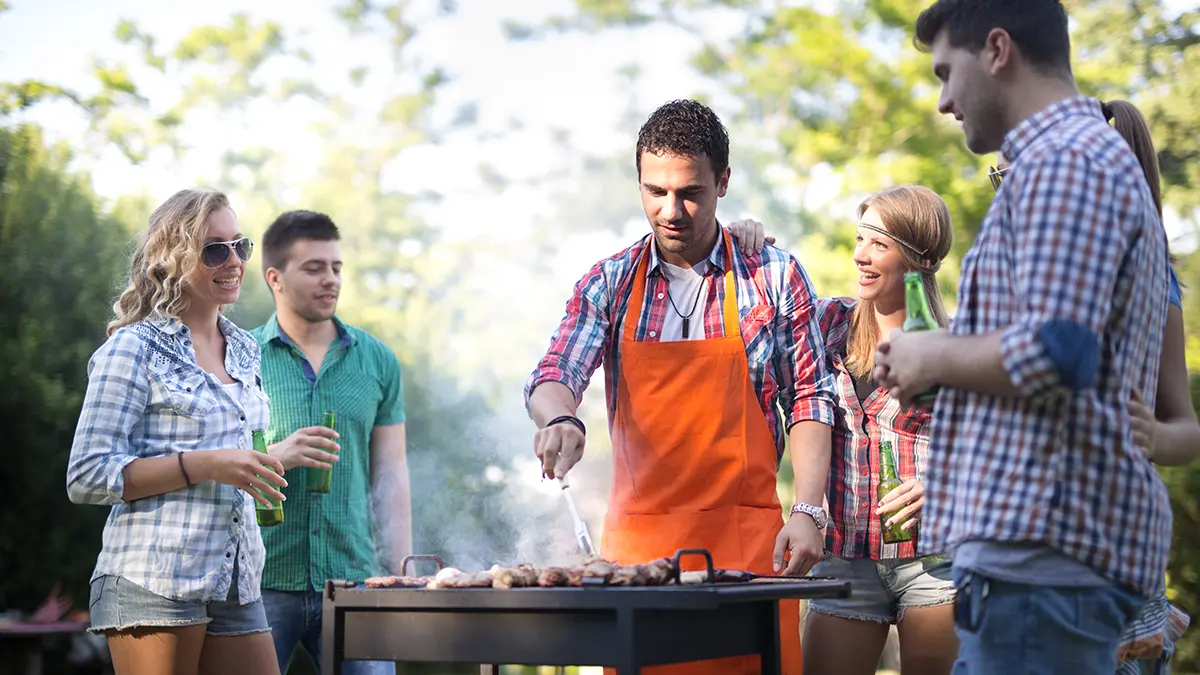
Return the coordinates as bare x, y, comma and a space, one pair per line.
164, 439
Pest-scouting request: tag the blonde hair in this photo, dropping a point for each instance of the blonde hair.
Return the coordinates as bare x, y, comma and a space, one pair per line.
918, 220
167, 252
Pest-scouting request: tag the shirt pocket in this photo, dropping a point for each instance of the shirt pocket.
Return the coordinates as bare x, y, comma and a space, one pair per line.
758, 332
188, 392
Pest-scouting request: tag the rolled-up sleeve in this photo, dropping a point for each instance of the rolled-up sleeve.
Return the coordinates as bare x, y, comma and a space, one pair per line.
578, 345
1072, 224
114, 404
806, 383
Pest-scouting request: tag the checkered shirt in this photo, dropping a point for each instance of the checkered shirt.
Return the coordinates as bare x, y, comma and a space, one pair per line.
854, 530
778, 321
146, 397
1072, 239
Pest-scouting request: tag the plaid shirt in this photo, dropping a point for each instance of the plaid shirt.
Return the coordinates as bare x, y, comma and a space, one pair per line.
1072, 243
778, 322
146, 397
854, 529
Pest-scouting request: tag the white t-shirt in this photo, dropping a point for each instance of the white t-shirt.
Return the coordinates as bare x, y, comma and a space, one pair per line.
685, 284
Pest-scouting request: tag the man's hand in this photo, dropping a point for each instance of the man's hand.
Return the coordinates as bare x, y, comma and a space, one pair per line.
911, 496
302, 448
1145, 426
750, 235
906, 363
801, 537
560, 447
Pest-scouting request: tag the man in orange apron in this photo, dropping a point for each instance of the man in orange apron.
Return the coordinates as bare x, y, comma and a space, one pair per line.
702, 347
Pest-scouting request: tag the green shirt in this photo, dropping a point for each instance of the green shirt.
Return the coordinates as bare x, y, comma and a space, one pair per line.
328, 536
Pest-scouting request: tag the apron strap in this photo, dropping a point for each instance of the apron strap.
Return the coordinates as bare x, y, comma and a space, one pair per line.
637, 295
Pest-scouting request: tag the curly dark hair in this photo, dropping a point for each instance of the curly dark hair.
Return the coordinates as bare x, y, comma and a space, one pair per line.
685, 128
1038, 27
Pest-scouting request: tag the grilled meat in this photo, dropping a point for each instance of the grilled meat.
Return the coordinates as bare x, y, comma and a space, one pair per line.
397, 582
593, 572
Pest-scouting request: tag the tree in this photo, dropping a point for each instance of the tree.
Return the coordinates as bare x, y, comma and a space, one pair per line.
65, 258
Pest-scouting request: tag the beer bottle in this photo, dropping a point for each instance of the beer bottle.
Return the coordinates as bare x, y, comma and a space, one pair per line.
266, 516
888, 481
918, 317
320, 480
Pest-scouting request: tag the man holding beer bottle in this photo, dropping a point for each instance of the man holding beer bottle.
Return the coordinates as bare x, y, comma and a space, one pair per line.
337, 403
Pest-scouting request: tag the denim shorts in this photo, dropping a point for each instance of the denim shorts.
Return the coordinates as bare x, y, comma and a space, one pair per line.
118, 604
881, 590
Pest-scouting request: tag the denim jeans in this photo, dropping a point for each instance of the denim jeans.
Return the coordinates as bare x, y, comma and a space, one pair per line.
295, 617
1005, 628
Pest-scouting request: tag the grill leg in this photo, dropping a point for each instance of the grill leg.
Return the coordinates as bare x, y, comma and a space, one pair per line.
331, 633
627, 660
769, 647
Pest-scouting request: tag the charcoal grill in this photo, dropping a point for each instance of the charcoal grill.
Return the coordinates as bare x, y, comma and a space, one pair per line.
626, 627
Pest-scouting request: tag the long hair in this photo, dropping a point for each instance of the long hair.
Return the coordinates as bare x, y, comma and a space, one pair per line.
915, 217
1129, 122
166, 253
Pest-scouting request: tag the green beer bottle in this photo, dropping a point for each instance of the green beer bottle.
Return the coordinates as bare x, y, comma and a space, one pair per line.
320, 480
266, 516
888, 482
918, 317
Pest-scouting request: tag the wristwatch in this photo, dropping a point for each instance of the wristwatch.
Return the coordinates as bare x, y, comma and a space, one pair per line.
817, 513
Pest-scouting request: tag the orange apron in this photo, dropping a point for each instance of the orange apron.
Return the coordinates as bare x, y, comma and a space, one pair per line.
694, 464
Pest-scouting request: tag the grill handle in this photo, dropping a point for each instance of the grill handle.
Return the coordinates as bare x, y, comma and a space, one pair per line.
414, 558
712, 577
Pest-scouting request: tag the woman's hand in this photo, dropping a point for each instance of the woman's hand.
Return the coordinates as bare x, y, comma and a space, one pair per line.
246, 469
910, 495
1145, 426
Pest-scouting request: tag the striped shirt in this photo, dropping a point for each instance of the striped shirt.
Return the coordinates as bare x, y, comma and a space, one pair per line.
328, 535
778, 320
1071, 264
146, 397
860, 426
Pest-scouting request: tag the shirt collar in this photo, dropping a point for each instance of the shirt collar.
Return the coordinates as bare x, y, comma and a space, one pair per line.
1032, 127
272, 331
716, 257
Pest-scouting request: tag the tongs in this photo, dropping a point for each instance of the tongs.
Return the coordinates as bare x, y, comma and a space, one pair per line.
581, 530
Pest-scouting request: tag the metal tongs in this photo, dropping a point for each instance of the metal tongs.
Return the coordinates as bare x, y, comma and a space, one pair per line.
581, 530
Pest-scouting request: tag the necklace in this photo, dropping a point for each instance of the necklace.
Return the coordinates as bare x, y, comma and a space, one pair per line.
686, 319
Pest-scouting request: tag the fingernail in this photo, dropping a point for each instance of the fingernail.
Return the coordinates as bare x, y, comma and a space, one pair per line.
776, 567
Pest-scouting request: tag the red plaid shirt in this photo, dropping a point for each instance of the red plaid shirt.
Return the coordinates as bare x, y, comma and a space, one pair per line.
775, 304
854, 529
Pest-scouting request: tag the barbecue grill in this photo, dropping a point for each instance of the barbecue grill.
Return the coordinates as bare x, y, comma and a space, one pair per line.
625, 627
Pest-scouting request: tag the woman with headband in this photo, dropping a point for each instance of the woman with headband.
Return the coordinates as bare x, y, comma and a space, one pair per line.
900, 229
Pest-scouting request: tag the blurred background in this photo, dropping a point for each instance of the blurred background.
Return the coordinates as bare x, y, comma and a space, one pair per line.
478, 157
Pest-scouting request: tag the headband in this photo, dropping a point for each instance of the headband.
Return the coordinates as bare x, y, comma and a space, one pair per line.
933, 265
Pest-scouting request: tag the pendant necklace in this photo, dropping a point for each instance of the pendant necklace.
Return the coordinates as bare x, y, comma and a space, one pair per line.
686, 319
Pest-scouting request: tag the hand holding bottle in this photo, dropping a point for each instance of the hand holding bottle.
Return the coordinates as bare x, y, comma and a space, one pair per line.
246, 469
911, 496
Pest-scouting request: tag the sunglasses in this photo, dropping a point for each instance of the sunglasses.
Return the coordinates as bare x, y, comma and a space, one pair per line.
996, 175
217, 253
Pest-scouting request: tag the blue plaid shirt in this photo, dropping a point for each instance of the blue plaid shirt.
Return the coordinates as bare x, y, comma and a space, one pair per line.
1071, 263
146, 397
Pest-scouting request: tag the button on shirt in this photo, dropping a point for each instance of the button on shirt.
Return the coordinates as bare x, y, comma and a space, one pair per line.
1071, 263
778, 321
328, 535
854, 529
146, 397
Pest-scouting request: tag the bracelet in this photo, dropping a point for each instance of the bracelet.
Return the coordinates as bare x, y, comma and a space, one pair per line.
570, 419
186, 478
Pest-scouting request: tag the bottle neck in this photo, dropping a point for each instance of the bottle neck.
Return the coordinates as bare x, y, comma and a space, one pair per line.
915, 303
888, 462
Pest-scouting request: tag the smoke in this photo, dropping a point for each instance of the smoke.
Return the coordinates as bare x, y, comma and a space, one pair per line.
477, 493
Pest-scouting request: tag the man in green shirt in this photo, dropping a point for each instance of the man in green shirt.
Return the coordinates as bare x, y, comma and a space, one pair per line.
312, 362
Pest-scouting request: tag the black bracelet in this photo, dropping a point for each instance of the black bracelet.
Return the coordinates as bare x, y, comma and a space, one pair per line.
571, 419
186, 478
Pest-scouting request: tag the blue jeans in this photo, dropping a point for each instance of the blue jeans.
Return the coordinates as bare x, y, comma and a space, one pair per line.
1005, 628
295, 617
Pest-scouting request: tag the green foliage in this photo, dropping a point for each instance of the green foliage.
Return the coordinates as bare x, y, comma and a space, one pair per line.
64, 260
